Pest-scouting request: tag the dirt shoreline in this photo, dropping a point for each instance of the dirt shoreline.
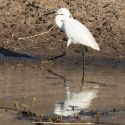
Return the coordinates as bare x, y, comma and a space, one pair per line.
37, 61
105, 19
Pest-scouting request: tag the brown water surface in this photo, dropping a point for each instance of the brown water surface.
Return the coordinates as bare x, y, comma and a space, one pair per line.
58, 90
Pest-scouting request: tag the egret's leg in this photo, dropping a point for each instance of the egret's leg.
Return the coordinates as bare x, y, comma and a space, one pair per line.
83, 62
49, 60
57, 56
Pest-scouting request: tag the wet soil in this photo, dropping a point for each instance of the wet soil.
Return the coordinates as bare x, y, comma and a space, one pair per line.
105, 19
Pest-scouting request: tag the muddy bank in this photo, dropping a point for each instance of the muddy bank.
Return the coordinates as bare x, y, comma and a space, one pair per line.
105, 19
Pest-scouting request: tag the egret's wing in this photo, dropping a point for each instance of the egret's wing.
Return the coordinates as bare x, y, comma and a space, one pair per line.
78, 33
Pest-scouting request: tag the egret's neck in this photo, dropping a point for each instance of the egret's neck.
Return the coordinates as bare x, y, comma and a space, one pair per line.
59, 21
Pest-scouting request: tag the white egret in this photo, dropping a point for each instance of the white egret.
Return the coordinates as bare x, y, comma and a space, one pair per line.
76, 32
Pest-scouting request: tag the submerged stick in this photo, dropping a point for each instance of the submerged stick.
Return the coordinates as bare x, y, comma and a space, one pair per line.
68, 123
36, 34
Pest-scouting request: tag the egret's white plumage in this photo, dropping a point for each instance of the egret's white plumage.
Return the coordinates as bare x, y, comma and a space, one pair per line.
76, 32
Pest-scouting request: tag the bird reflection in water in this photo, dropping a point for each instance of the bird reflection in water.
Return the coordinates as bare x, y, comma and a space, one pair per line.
75, 102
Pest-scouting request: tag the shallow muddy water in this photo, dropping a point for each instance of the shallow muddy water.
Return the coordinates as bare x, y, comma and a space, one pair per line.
59, 90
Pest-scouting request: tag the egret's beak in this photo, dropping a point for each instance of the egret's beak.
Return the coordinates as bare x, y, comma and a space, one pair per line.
46, 14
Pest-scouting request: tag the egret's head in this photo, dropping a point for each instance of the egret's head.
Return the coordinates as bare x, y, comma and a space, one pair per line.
64, 12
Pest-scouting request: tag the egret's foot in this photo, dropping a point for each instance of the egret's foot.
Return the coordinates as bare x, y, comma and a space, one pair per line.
46, 61
77, 51
83, 80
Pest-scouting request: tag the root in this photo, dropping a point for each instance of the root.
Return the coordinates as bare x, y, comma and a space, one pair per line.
36, 34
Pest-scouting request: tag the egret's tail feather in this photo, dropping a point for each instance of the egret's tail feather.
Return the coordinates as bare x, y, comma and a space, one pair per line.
97, 47
94, 45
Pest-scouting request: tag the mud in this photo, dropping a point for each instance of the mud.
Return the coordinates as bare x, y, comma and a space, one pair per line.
20, 18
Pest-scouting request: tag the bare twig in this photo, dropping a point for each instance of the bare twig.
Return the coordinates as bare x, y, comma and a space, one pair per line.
5, 44
13, 34
36, 34
68, 123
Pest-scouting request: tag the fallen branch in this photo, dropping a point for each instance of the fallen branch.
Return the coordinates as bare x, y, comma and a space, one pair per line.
36, 34
65, 123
